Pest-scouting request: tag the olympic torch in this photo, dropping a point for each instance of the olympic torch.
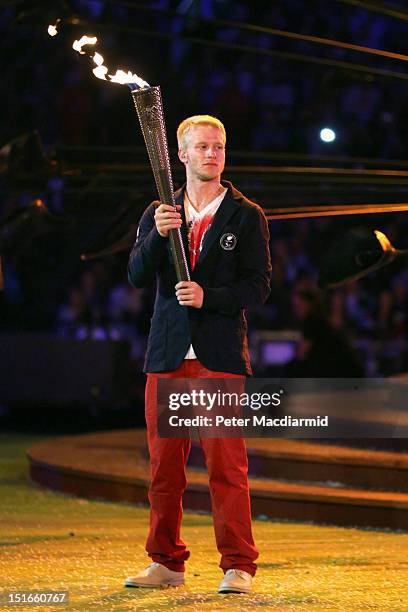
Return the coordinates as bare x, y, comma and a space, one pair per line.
149, 109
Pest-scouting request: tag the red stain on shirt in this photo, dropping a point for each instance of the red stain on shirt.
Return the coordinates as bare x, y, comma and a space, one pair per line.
196, 236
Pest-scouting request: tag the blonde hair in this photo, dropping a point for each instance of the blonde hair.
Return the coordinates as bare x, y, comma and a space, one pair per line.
186, 125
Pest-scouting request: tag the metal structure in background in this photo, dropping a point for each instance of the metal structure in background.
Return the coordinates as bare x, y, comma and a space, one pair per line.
357, 253
332, 210
149, 108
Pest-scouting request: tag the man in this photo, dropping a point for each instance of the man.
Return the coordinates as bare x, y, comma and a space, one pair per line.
199, 331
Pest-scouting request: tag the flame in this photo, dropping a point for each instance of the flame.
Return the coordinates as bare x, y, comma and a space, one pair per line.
121, 77
84, 40
125, 78
101, 71
52, 30
98, 59
383, 240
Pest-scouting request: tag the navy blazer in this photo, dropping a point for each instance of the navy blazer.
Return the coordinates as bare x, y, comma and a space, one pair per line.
234, 271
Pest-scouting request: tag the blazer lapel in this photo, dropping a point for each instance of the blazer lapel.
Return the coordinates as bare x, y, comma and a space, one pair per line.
225, 211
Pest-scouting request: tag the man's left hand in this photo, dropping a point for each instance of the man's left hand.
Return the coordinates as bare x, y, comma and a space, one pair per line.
189, 293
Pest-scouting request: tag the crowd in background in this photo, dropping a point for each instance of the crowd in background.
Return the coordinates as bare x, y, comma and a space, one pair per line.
371, 314
267, 102
282, 102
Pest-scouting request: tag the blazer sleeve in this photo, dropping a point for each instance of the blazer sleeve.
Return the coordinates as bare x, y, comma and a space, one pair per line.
253, 284
148, 251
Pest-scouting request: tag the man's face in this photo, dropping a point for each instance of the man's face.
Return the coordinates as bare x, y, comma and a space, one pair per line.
204, 155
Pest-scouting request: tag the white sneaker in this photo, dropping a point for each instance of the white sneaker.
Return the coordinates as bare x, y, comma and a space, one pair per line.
155, 575
236, 581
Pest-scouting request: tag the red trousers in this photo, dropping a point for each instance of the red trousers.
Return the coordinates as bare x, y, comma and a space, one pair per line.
227, 466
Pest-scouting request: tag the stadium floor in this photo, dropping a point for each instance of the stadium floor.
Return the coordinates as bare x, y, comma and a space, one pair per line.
51, 541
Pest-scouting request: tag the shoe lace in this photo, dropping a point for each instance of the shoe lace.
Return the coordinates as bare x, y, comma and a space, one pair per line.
152, 565
237, 572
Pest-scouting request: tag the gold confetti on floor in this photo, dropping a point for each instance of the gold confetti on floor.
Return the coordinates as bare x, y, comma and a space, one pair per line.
50, 541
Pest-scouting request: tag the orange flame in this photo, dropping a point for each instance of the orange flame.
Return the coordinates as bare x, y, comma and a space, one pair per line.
383, 240
101, 71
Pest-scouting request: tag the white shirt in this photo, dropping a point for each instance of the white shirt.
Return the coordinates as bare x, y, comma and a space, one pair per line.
198, 224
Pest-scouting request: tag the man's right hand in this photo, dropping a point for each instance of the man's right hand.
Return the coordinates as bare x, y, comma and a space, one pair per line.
166, 218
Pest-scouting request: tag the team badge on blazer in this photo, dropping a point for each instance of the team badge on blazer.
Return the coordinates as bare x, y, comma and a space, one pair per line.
228, 241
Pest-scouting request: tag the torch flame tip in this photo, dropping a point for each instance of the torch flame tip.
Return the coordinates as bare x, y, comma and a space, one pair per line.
52, 30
